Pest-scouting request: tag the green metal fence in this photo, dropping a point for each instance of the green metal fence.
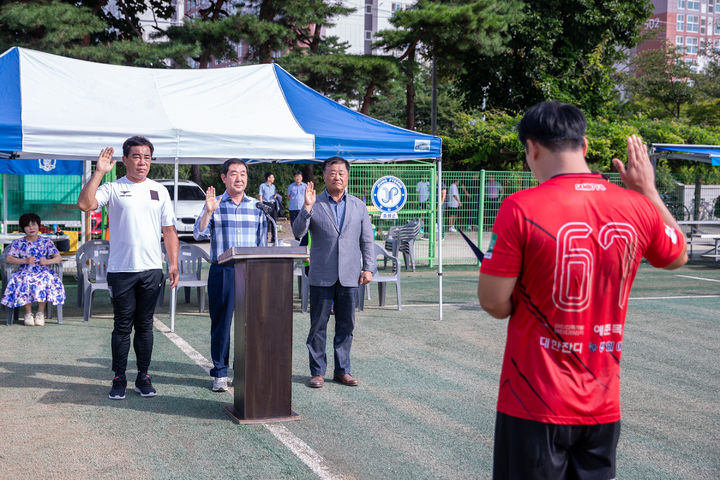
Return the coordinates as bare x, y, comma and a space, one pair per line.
53, 198
418, 178
470, 204
471, 201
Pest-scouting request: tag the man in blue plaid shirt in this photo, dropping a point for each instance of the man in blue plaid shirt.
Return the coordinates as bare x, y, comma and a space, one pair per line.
229, 220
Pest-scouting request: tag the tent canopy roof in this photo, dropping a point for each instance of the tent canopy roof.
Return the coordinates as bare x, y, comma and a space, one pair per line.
698, 153
62, 108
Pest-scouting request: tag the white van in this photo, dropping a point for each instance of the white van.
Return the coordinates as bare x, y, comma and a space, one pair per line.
191, 200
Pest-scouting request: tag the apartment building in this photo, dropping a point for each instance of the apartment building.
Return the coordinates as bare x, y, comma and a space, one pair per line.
359, 28
693, 26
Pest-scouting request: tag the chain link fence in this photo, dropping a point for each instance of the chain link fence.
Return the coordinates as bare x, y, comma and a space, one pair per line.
470, 200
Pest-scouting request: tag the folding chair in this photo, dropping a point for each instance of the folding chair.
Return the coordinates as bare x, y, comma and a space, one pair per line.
93, 264
383, 280
190, 262
78, 266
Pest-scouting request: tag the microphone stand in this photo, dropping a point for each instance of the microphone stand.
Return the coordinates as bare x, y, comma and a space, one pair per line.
266, 210
272, 220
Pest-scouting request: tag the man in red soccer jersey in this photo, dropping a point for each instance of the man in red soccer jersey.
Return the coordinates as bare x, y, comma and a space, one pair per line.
561, 262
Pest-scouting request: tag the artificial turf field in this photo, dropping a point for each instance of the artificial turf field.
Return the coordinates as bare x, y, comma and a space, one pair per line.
424, 408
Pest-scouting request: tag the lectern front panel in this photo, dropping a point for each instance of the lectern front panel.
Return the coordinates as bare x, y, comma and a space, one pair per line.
263, 338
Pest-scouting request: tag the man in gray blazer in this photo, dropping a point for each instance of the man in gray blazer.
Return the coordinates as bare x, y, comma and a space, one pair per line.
341, 258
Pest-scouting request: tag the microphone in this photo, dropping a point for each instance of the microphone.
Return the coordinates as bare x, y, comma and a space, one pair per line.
267, 210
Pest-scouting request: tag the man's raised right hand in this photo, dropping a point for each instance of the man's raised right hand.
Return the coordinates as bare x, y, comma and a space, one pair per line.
309, 196
211, 201
105, 162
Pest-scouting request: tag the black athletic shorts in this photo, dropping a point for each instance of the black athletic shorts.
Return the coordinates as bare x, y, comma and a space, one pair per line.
525, 449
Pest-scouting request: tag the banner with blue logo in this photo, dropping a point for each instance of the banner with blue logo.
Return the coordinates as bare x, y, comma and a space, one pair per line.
24, 166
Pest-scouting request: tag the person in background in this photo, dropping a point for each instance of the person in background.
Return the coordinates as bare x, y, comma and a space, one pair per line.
493, 193
561, 262
342, 256
34, 281
453, 206
422, 190
141, 211
228, 220
267, 194
296, 200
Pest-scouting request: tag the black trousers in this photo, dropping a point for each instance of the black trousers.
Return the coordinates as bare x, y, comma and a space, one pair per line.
134, 295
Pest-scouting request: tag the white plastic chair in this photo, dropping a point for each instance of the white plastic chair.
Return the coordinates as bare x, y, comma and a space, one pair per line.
190, 263
93, 264
382, 280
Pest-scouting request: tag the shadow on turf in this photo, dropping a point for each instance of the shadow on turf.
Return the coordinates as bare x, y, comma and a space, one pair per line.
24, 375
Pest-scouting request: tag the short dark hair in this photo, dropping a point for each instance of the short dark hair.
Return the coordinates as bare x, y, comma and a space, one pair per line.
233, 161
554, 125
267, 175
136, 141
297, 172
333, 161
28, 218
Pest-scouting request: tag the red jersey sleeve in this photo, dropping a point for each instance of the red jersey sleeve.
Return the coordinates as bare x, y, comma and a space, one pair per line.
666, 243
504, 255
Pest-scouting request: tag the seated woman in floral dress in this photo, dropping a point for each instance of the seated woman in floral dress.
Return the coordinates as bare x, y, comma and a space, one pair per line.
34, 281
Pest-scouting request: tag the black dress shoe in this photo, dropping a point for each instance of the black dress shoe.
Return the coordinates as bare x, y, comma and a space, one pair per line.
345, 379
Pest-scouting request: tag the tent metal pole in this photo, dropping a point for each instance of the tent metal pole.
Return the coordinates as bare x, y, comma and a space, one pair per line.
87, 166
439, 238
173, 293
433, 130
4, 204
175, 186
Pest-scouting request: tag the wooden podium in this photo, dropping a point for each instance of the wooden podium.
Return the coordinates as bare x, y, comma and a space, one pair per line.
263, 332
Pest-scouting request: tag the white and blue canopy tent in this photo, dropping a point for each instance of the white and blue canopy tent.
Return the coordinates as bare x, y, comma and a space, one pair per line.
62, 108
53, 107
696, 153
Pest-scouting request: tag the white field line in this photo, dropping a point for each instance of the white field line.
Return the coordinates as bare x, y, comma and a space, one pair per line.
675, 297
698, 278
301, 449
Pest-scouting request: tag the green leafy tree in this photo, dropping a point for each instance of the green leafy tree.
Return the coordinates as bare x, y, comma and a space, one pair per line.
662, 80
446, 31
351, 79
82, 29
562, 49
706, 109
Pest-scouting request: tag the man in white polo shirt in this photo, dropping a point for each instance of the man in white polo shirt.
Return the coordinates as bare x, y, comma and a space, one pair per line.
139, 210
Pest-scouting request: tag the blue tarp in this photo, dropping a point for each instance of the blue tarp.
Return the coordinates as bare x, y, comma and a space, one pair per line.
26, 166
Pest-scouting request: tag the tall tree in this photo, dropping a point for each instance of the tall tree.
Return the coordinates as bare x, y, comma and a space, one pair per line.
446, 30
661, 78
84, 29
561, 49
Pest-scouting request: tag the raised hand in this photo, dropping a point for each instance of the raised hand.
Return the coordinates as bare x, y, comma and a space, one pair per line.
105, 162
638, 173
309, 196
211, 201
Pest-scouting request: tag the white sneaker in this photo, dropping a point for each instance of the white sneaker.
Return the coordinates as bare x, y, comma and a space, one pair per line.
29, 320
453, 229
39, 319
220, 384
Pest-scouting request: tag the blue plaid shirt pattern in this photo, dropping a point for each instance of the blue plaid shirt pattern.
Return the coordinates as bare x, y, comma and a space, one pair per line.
233, 225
